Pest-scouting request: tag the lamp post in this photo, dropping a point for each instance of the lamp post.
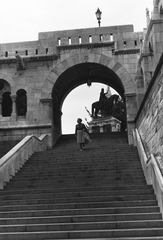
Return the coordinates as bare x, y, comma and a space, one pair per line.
98, 16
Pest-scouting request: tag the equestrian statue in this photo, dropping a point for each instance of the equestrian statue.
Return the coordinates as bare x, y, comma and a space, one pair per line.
104, 105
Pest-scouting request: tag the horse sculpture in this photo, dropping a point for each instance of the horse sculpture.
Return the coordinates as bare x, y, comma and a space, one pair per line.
106, 107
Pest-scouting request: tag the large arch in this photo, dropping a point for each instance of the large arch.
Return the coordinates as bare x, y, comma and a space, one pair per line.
110, 63
81, 68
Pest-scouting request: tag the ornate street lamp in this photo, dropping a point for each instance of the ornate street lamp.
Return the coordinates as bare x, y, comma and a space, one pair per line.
98, 16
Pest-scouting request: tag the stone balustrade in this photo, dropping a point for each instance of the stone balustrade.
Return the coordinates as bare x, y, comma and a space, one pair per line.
151, 170
11, 162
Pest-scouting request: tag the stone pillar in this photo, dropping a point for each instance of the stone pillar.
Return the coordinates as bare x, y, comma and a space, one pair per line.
101, 129
47, 103
113, 127
131, 111
139, 89
13, 114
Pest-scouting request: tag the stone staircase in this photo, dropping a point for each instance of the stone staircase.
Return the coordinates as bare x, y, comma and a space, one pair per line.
99, 193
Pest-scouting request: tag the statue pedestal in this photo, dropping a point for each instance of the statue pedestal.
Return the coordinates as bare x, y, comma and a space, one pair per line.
104, 124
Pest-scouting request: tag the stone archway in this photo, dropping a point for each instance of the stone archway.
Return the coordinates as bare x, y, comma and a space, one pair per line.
62, 66
55, 78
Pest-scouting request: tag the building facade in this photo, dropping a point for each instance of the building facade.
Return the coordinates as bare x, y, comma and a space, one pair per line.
36, 76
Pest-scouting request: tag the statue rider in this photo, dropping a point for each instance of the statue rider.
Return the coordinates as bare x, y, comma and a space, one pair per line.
103, 98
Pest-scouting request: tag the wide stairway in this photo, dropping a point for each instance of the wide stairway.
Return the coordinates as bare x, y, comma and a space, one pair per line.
99, 193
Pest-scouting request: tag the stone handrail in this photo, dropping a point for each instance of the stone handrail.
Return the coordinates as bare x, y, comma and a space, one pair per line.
151, 170
11, 162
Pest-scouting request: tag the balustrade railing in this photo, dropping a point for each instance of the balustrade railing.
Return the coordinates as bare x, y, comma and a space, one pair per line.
151, 170
11, 162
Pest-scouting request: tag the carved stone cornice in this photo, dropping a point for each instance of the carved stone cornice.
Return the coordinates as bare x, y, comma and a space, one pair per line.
84, 46
36, 58
127, 51
46, 100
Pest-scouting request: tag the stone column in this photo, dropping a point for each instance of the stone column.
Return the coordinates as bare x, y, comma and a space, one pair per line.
113, 127
47, 102
101, 129
13, 114
131, 111
140, 86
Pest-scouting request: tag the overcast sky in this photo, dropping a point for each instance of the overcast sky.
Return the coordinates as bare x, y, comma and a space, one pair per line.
23, 20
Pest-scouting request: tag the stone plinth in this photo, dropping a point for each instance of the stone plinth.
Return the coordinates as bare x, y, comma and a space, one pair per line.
104, 124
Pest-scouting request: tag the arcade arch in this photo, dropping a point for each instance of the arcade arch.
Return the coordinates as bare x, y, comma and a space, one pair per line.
79, 69
21, 102
6, 104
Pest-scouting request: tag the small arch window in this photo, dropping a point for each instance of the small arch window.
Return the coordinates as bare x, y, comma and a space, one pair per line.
124, 44
69, 41
101, 38
21, 102
6, 104
59, 41
1, 85
80, 40
90, 39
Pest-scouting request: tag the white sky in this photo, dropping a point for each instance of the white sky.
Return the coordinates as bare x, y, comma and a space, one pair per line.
23, 20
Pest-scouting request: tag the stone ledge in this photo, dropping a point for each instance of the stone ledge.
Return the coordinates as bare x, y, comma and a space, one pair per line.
25, 127
36, 58
85, 45
127, 51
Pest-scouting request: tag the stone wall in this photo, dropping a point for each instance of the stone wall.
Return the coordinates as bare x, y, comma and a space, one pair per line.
150, 115
120, 43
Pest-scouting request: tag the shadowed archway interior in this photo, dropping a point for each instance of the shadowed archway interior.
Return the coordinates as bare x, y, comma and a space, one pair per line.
85, 73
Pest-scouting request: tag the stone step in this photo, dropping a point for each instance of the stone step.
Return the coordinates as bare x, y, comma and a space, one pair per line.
85, 157
94, 178
16, 213
85, 226
60, 172
75, 161
101, 152
109, 187
149, 205
63, 183
83, 208
121, 238
78, 218
69, 176
81, 169
77, 194
116, 233
79, 199
75, 164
